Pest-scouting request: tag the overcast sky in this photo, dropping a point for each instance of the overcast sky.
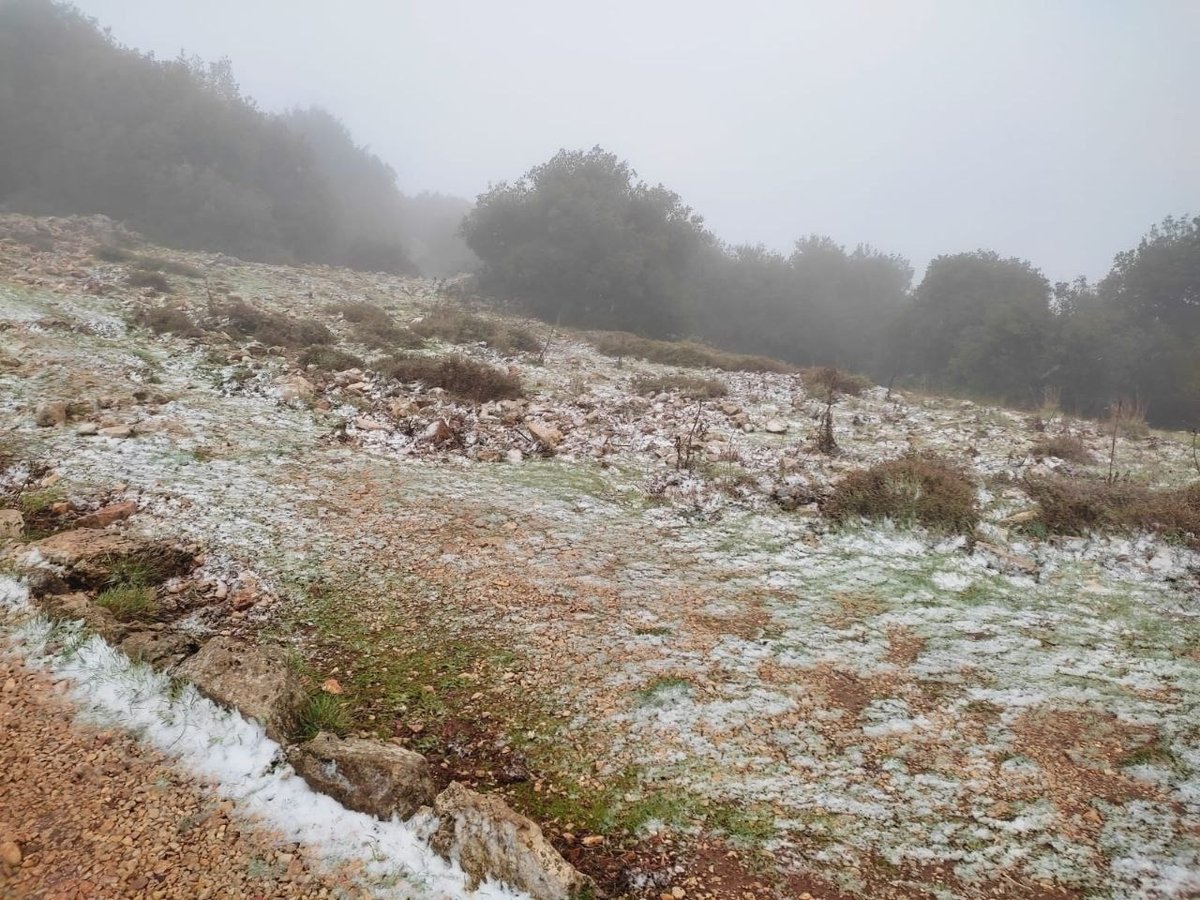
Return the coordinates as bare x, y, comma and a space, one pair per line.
1054, 131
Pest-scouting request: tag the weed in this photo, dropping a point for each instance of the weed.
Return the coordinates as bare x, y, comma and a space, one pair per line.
112, 253
331, 359
690, 387
1063, 446
270, 328
323, 712
166, 319
824, 380
148, 279
458, 327
918, 487
373, 326
746, 824
458, 375
129, 602
689, 354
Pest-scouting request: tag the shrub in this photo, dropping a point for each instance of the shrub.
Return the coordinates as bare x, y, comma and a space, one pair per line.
462, 377
373, 325
144, 278
1079, 505
161, 264
1063, 446
821, 380
918, 487
331, 359
682, 353
166, 319
272, 328
129, 602
687, 386
457, 327
111, 253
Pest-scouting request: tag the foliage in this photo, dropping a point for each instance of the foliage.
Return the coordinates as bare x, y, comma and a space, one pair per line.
458, 375
156, 281
690, 387
919, 487
1079, 505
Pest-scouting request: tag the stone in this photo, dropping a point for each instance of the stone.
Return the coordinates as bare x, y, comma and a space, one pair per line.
294, 389
776, 426
438, 432
489, 840
730, 408
87, 429
381, 780
159, 647
514, 456
256, 681
89, 555
402, 408
106, 515
51, 415
12, 523
547, 435
116, 431
363, 423
79, 606
10, 853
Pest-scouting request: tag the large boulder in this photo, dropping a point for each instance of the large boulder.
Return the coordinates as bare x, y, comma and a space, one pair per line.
489, 840
256, 681
89, 557
382, 780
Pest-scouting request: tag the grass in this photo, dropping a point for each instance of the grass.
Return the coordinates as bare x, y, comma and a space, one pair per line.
167, 320
374, 326
323, 712
689, 387
917, 488
462, 377
143, 278
1080, 505
687, 354
129, 602
823, 380
1066, 447
454, 326
331, 359
270, 328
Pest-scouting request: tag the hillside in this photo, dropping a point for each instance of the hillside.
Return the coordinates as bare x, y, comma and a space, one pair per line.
688, 672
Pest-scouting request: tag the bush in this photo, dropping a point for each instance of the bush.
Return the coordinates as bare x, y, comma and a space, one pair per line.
160, 264
143, 278
687, 386
1063, 446
457, 327
682, 353
462, 377
821, 380
272, 328
166, 319
373, 325
129, 602
1080, 505
331, 359
112, 254
919, 487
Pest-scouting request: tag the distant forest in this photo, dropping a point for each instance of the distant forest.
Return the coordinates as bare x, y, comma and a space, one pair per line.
176, 151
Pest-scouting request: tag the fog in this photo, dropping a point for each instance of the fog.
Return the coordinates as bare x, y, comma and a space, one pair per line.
1055, 133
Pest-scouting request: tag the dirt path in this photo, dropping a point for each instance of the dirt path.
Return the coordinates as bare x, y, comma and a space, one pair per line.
95, 814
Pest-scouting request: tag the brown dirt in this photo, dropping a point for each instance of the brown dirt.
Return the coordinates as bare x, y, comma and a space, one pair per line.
96, 815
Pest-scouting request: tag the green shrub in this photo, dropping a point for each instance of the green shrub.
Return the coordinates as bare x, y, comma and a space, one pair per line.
917, 488
1080, 505
682, 353
129, 602
455, 326
459, 376
688, 386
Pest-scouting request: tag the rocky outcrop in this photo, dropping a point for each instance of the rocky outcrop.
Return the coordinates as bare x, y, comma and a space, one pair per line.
489, 840
79, 606
89, 556
381, 780
159, 646
256, 681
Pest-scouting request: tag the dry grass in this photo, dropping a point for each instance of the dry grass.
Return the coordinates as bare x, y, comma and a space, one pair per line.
271, 328
1080, 505
374, 326
920, 487
331, 359
1063, 446
167, 320
689, 387
145, 278
458, 375
682, 353
821, 380
454, 326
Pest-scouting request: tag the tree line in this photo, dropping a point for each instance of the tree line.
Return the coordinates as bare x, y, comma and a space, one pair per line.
581, 240
173, 148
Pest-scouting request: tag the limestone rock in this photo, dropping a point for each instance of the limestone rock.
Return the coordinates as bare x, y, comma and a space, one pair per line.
117, 431
256, 681
80, 606
106, 515
547, 435
12, 523
776, 426
379, 779
295, 389
50, 415
88, 555
490, 840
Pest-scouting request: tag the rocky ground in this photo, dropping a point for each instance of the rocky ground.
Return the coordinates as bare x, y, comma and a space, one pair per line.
694, 682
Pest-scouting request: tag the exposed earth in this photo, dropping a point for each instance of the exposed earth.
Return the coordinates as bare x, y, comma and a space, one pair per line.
693, 681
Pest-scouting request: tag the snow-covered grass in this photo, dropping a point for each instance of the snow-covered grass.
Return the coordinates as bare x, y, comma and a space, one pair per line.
236, 755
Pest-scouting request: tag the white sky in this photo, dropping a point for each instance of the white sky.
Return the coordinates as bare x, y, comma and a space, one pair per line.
1053, 130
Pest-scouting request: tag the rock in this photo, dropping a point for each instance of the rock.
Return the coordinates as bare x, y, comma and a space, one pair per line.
116, 431
79, 606
88, 556
256, 681
547, 435
10, 853
12, 523
106, 515
366, 424
382, 780
438, 432
294, 389
489, 840
730, 409
51, 415
776, 426
402, 408
87, 429
514, 456
159, 647
1021, 518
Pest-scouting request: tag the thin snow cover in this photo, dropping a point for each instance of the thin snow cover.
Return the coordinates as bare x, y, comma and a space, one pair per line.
220, 745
